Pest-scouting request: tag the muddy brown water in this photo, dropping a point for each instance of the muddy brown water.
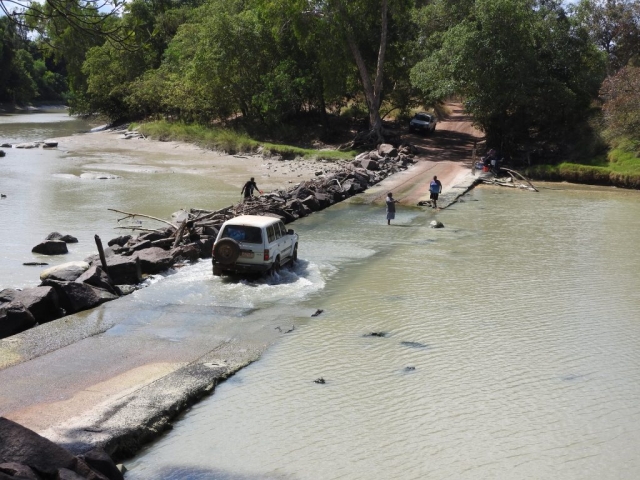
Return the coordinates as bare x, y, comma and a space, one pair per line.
508, 342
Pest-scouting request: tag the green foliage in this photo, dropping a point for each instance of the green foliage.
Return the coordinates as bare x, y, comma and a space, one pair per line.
614, 26
528, 76
24, 76
230, 141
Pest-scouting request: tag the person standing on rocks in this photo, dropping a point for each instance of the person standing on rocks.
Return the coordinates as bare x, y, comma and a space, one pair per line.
391, 208
435, 188
248, 189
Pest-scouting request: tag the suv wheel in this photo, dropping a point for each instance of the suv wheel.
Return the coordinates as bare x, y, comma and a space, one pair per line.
275, 268
226, 251
294, 257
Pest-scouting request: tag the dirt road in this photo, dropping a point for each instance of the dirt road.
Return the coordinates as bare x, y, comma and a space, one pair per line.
447, 153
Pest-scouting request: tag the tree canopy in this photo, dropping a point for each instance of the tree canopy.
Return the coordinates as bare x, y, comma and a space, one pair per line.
529, 71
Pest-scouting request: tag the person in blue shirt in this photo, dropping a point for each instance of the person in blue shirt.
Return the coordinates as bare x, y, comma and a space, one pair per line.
435, 188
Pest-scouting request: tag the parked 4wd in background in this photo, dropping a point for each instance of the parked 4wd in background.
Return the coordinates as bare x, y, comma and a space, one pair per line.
253, 244
423, 122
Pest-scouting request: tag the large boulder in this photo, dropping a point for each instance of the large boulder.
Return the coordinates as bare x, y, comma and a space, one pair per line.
120, 241
124, 270
76, 297
42, 303
17, 471
323, 199
51, 247
14, 318
189, 252
164, 243
154, 260
312, 203
97, 277
387, 150
8, 295
369, 164
101, 462
141, 245
23, 446
152, 236
63, 238
65, 272
206, 246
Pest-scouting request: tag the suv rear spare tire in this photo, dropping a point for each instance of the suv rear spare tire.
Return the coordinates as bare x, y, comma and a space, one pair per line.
226, 251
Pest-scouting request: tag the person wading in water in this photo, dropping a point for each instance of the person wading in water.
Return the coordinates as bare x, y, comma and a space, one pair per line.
435, 187
391, 208
248, 189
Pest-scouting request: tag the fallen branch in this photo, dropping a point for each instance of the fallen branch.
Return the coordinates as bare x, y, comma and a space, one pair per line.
141, 229
522, 177
133, 215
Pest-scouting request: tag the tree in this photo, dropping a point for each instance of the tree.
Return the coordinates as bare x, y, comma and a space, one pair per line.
356, 23
36, 15
527, 75
613, 25
621, 94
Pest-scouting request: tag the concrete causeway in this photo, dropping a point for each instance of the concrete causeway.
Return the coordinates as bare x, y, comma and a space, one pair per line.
116, 376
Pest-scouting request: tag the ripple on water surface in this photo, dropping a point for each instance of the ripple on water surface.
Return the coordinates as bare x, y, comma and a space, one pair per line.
507, 348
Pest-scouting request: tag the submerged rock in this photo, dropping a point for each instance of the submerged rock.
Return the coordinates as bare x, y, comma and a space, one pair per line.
436, 224
376, 334
414, 344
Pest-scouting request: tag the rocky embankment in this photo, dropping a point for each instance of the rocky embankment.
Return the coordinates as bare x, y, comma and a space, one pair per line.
76, 286
26, 455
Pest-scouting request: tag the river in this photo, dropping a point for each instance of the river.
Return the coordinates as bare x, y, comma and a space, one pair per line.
509, 348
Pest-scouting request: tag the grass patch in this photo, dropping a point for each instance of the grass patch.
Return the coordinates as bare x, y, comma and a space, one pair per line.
231, 141
621, 168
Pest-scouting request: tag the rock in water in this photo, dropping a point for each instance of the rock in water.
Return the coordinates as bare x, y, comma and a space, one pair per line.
66, 272
436, 224
64, 238
51, 247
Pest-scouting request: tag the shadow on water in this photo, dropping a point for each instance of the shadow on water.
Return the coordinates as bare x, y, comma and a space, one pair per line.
180, 472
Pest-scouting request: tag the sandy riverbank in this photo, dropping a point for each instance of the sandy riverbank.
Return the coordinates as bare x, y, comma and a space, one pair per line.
142, 155
152, 156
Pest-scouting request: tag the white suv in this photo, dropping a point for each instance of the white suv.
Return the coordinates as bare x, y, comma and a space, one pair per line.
253, 244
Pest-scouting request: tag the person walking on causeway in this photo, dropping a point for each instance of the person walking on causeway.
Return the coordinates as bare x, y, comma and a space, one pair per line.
248, 189
435, 187
391, 208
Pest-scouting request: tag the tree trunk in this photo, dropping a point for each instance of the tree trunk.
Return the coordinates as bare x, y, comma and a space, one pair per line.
372, 92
